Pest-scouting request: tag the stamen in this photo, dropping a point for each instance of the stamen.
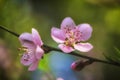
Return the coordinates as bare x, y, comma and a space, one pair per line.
24, 49
20, 54
73, 36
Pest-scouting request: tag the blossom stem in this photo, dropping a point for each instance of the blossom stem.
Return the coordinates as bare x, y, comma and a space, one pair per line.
83, 56
13, 33
49, 48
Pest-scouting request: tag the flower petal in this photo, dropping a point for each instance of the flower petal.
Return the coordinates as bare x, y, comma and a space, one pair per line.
33, 66
57, 35
36, 37
27, 59
66, 49
67, 23
26, 40
86, 31
39, 52
83, 47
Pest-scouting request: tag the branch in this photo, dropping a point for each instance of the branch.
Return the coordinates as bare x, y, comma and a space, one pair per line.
11, 32
48, 49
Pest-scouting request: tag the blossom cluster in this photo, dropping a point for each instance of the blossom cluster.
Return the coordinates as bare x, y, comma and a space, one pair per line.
70, 37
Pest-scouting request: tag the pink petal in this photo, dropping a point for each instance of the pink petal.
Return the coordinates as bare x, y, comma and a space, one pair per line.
67, 22
25, 36
86, 31
83, 47
57, 35
26, 40
33, 66
36, 37
39, 52
27, 59
66, 49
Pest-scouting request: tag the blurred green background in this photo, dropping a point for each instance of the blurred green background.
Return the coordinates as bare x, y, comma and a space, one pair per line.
22, 15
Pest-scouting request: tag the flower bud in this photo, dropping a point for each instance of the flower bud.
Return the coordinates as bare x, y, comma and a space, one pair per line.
80, 64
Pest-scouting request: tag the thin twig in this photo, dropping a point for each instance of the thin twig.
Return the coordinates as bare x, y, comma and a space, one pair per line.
83, 56
48, 49
13, 33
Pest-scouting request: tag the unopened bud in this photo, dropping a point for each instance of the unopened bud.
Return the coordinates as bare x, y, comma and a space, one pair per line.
80, 64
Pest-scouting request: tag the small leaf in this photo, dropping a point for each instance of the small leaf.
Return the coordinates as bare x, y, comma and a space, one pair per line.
114, 57
117, 51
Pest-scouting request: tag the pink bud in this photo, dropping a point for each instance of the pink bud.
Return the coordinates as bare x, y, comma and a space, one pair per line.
80, 64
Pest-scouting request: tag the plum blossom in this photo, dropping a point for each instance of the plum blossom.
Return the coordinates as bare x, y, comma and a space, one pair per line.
71, 37
31, 45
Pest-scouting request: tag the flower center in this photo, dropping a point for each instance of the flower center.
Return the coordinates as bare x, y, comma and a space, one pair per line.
26, 53
70, 40
73, 37
25, 49
26, 57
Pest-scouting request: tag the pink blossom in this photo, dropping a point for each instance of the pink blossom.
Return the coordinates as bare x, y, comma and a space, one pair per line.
71, 37
31, 45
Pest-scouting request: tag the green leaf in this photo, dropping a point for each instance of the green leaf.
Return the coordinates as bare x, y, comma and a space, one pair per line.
114, 57
117, 50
